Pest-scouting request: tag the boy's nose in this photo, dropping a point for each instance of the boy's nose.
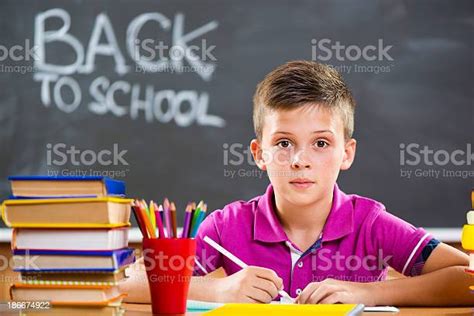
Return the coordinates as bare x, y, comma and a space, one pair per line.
300, 162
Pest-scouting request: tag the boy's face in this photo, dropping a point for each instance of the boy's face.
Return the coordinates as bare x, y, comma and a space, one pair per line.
303, 151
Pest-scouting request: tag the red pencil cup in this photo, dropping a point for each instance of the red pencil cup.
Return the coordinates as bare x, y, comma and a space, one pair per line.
169, 264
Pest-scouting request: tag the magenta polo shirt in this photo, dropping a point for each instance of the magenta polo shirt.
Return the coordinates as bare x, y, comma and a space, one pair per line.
358, 242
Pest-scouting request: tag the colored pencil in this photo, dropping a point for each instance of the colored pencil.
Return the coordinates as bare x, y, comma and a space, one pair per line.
166, 210
152, 215
145, 207
162, 215
146, 212
199, 220
159, 223
173, 219
151, 231
138, 219
187, 221
146, 220
194, 218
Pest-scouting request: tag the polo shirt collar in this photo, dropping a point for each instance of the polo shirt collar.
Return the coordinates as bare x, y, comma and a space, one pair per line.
267, 226
340, 221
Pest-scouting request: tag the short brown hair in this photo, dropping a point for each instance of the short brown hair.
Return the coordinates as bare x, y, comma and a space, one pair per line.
299, 83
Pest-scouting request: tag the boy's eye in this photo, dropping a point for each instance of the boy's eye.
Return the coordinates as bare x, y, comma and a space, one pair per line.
321, 143
284, 144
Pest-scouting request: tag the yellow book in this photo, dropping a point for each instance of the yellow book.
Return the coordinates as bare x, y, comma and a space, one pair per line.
467, 238
62, 310
78, 295
104, 212
287, 309
108, 278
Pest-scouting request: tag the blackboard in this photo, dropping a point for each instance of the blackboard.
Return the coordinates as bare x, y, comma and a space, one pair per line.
409, 65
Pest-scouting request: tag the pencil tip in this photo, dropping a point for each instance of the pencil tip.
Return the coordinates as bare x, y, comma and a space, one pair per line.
200, 204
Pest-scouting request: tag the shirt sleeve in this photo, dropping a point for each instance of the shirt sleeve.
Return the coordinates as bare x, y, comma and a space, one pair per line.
424, 255
207, 258
398, 242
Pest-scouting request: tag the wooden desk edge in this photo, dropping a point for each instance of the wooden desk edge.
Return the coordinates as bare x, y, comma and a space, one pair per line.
145, 309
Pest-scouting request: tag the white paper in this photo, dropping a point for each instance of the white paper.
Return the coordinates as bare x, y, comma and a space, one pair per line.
381, 309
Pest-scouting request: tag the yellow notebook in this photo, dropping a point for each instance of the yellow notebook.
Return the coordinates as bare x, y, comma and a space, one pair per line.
287, 309
105, 212
467, 238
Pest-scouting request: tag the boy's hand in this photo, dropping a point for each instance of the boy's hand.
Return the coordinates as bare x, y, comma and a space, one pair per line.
250, 285
332, 291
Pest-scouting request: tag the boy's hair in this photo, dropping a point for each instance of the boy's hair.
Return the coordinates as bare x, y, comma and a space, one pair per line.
299, 83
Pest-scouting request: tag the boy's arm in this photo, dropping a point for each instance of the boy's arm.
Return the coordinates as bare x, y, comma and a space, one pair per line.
443, 282
138, 291
252, 284
249, 285
136, 284
203, 288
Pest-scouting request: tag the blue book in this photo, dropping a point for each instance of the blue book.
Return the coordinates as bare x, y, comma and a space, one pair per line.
71, 260
64, 187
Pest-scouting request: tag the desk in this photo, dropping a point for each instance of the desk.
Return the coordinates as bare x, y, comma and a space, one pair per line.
145, 309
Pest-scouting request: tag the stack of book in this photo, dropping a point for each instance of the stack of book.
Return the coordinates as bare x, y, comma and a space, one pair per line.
69, 242
467, 238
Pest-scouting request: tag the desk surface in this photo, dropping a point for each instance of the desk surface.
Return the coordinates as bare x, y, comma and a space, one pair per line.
145, 309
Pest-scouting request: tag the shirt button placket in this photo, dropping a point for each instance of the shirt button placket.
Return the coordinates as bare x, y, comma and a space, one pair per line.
295, 257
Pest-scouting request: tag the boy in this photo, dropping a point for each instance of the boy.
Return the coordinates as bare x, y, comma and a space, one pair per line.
305, 235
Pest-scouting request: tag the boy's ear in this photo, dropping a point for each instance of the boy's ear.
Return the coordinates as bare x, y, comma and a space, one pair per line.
256, 150
349, 154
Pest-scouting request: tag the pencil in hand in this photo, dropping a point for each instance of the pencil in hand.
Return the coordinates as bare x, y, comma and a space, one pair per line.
240, 263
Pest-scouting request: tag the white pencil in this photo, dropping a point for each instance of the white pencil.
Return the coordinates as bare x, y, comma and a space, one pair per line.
200, 266
237, 261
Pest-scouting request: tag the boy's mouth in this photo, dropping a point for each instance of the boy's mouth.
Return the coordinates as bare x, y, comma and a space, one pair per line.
301, 183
